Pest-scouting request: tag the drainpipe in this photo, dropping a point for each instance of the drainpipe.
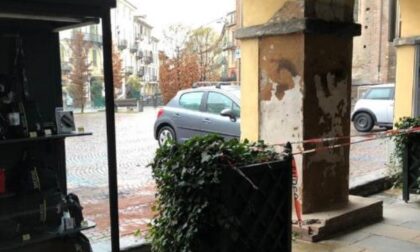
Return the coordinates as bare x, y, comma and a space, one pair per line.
380, 40
392, 20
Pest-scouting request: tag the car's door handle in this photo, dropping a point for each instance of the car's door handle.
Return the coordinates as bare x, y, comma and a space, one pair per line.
206, 120
177, 115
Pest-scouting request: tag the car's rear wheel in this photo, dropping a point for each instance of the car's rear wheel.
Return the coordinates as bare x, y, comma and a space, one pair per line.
166, 133
363, 122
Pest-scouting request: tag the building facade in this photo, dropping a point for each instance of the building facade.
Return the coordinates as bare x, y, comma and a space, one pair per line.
132, 37
407, 90
230, 46
374, 56
148, 57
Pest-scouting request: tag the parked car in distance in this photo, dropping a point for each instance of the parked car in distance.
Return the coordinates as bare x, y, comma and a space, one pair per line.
375, 107
200, 111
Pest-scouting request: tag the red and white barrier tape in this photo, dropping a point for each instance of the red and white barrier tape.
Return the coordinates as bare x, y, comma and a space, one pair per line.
298, 205
367, 138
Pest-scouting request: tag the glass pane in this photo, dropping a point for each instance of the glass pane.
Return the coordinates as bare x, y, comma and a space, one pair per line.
217, 102
87, 157
191, 101
236, 110
379, 94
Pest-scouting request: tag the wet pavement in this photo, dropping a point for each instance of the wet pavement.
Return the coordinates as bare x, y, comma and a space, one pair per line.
88, 176
399, 231
369, 160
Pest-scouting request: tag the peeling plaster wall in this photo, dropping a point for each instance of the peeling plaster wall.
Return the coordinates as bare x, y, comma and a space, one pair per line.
303, 85
281, 90
281, 119
326, 114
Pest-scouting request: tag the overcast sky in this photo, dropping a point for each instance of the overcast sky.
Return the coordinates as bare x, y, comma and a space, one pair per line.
193, 13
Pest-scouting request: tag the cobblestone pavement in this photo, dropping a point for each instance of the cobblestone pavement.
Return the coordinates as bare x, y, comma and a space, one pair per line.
369, 160
88, 176
87, 169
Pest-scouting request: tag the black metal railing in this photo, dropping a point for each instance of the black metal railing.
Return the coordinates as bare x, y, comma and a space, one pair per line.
122, 44
411, 167
92, 37
134, 47
264, 214
129, 70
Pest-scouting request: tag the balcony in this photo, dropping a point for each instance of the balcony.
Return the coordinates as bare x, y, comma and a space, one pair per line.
140, 72
66, 67
129, 70
122, 44
229, 45
148, 60
140, 54
93, 38
134, 47
148, 57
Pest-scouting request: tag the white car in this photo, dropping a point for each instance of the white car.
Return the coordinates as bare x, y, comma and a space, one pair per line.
376, 107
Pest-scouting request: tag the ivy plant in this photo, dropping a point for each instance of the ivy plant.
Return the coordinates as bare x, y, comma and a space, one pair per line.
400, 145
186, 176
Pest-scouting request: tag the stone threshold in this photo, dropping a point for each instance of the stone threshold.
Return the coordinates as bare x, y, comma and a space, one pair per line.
371, 187
357, 213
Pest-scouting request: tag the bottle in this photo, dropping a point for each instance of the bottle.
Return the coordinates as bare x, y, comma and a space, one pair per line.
2, 181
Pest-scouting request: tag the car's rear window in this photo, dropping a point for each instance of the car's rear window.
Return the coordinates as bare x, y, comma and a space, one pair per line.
380, 94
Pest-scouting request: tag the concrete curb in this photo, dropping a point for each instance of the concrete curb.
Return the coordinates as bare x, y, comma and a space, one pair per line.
372, 187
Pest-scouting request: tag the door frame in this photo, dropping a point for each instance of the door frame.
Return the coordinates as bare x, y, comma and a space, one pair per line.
416, 84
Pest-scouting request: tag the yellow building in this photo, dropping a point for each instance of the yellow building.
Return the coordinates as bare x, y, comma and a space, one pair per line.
407, 94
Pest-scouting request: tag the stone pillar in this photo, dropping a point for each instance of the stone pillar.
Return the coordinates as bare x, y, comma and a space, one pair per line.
296, 85
301, 59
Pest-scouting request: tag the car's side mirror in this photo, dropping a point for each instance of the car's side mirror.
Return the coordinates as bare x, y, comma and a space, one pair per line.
228, 113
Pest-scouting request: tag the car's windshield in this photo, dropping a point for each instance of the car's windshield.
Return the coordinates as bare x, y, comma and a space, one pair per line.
379, 93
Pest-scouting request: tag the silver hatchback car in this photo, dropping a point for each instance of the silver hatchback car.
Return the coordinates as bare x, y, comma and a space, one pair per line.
375, 107
200, 111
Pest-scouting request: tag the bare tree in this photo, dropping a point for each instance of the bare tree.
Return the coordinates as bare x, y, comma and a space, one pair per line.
206, 44
79, 75
193, 56
117, 69
177, 73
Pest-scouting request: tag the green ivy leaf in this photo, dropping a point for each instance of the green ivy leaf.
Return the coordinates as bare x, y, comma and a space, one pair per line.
185, 176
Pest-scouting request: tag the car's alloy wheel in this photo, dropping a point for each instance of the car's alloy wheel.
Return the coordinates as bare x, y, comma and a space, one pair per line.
363, 122
166, 134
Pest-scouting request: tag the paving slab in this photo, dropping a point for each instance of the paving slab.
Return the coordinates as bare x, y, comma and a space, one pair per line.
352, 237
386, 244
414, 225
391, 231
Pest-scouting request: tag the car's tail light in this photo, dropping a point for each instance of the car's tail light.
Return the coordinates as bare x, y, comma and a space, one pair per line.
160, 113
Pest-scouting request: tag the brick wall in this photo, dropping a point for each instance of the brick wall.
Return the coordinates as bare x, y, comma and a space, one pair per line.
373, 55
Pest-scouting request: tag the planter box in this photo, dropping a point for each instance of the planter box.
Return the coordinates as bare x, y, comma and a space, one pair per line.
264, 214
411, 167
